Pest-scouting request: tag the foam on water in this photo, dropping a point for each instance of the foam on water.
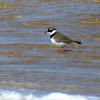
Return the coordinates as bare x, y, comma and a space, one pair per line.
11, 95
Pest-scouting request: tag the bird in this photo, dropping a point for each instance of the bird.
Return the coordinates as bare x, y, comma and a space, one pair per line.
60, 39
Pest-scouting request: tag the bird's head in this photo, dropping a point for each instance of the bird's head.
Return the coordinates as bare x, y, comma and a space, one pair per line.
51, 30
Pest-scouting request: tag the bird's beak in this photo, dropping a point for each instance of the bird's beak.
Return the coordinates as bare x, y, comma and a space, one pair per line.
46, 32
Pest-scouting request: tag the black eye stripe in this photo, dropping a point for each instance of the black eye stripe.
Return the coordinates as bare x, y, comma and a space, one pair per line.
50, 30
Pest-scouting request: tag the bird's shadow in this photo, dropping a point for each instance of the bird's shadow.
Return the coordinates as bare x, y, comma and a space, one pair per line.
66, 50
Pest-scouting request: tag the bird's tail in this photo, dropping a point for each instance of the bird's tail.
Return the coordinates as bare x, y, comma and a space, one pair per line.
78, 42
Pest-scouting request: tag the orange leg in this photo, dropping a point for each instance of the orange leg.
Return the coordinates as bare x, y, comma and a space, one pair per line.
61, 50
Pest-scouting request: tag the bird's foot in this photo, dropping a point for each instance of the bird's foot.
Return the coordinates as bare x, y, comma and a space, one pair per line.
61, 51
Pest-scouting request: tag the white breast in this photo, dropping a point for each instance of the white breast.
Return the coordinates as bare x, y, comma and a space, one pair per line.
61, 44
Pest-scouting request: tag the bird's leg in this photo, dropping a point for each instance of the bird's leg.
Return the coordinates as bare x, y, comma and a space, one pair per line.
61, 50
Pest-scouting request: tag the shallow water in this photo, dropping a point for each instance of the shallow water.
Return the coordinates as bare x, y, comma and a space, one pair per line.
30, 62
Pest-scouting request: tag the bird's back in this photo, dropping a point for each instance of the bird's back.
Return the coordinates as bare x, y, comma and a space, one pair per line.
62, 38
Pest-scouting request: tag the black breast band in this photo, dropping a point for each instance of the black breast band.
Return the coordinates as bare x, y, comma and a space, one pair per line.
52, 35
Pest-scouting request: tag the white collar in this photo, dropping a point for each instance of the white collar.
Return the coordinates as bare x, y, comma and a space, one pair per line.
51, 33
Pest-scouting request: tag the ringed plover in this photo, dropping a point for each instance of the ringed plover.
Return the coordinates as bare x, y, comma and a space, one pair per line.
60, 39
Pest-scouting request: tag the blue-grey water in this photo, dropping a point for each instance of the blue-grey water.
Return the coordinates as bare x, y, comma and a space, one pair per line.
31, 68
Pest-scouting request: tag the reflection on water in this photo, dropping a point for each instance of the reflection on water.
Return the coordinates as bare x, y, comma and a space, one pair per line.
29, 60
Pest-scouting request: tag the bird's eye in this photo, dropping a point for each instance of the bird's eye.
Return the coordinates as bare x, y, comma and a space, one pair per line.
49, 30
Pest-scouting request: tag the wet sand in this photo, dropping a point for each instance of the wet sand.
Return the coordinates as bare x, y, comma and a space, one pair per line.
29, 60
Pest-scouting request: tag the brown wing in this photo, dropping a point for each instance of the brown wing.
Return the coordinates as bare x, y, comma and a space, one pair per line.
62, 38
